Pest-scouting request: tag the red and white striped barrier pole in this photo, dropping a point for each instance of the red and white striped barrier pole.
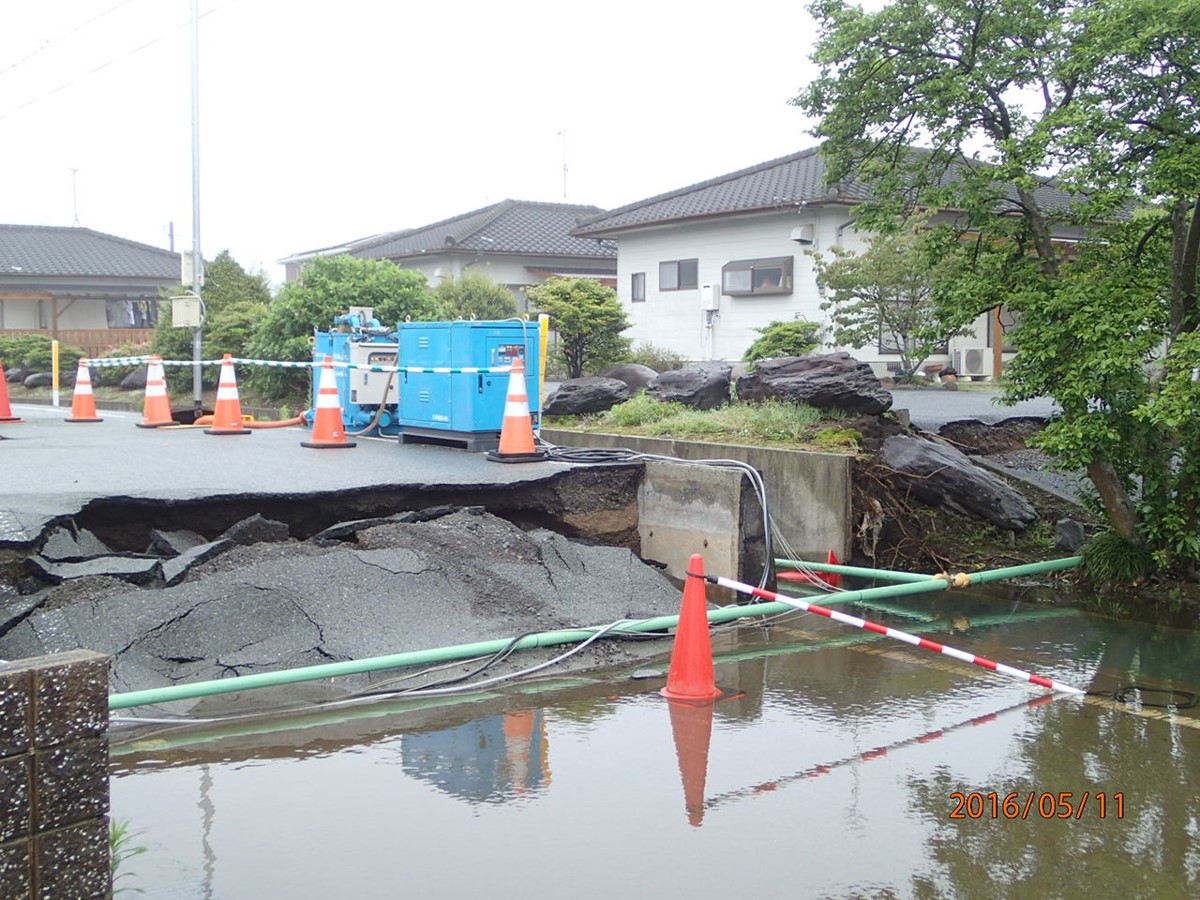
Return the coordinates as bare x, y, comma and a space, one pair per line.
894, 633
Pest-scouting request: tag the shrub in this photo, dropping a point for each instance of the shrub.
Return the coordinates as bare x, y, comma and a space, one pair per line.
781, 339
32, 351
1110, 557
660, 359
475, 296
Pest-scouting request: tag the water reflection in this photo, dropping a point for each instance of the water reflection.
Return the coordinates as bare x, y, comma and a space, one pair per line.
493, 759
832, 772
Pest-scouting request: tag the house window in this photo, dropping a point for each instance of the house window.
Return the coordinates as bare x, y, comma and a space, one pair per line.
744, 277
891, 343
679, 275
637, 288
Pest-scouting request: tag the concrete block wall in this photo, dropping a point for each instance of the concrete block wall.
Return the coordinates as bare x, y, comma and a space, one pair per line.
54, 778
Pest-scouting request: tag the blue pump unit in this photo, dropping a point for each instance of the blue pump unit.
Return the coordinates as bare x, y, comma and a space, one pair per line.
465, 408
461, 408
368, 399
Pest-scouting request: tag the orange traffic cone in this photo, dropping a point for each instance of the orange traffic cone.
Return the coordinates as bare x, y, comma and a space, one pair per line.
832, 578
83, 404
516, 433
691, 674
691, 727
157, 410
328, 432
227, 416
5, 408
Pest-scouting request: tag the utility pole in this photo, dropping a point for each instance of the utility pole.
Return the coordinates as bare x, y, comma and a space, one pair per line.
197, 258
75, 197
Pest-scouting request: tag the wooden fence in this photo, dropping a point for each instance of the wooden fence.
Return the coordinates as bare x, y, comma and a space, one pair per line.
93, 341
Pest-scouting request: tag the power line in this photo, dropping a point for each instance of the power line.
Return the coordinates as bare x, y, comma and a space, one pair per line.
66, 34
99, 68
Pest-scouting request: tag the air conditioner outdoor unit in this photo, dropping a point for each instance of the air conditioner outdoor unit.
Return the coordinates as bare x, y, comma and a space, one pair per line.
973, 361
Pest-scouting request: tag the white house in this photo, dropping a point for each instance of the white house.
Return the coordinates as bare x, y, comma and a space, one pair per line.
699, 269
516, 243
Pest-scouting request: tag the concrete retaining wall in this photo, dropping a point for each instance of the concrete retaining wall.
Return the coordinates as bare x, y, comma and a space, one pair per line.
54, 777
808, 493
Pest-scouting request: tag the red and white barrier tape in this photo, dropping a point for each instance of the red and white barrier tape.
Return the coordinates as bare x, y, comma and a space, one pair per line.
913, 639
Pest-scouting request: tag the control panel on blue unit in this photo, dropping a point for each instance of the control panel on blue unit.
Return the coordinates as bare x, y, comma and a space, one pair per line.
504, 354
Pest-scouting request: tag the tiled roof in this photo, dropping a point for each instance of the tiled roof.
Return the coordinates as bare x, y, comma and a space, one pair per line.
776, 184
47, 250
507, 227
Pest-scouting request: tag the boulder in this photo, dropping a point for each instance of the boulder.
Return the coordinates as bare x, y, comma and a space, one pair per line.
16, 375
39, 379
135, 380
1068, 535
826, 381
586, 395
938, 475
637, 377
700, 386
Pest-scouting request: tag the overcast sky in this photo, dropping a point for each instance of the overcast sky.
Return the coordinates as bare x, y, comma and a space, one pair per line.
325, 122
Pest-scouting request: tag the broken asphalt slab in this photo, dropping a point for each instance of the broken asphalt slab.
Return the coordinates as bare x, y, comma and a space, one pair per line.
399, 586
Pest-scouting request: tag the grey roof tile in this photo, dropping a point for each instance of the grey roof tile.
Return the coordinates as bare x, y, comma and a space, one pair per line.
775, 184
48, 250
508, 227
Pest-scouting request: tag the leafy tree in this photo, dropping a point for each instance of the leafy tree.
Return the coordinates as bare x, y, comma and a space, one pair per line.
780, 339
887, 295
235, 301
1104, 94
329, 286
588, 319
475, 296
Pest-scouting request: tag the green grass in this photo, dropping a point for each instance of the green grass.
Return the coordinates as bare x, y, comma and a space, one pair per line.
771, 423
121, 849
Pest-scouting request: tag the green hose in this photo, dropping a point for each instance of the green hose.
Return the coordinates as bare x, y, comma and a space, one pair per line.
197, 689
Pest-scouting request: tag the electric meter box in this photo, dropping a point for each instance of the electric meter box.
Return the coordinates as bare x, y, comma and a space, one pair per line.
463, 407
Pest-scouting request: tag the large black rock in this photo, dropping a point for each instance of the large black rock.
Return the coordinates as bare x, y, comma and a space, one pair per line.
938, 475
700, 386
634, 375
826, 381
586, 395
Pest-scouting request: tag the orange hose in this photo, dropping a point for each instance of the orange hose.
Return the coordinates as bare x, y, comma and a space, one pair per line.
282, 423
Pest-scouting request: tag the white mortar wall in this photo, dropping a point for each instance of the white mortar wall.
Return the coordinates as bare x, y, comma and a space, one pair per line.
675, 320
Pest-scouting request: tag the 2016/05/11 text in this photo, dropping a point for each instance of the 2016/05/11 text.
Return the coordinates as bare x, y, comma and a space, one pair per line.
1037, 804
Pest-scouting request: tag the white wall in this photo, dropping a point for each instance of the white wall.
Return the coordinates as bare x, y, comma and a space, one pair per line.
675, 320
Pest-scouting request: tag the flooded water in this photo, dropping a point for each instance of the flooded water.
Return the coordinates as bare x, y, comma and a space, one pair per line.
838, 764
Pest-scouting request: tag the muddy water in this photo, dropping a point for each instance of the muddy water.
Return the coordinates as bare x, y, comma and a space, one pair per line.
839, 765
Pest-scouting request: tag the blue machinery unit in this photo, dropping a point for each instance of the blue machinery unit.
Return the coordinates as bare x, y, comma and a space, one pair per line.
460, 407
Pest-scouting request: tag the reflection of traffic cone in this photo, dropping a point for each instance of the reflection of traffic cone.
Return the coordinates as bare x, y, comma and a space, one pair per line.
157, 410
518, 744
227, 414
83, 404
516, 433
328, 430
691, 674
691, 726
5, 408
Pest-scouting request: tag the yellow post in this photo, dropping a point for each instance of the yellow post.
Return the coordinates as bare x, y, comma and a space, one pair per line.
543, 334
54, 373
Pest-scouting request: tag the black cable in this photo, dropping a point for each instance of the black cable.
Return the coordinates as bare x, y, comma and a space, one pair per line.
1176, 699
